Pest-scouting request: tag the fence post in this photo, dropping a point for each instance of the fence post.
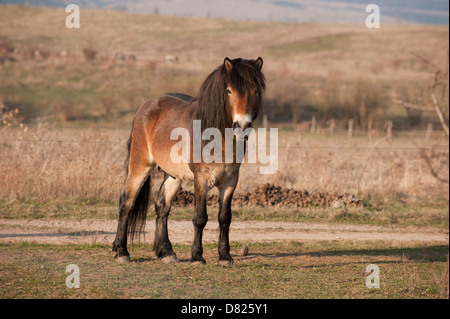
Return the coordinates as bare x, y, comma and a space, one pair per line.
429, 131
332, 126
389, 130
369, 129
313, 124
350, 128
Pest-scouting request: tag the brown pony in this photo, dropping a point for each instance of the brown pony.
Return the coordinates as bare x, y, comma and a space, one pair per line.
230, 97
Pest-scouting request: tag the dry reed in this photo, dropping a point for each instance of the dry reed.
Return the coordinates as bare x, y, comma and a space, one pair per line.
44, 163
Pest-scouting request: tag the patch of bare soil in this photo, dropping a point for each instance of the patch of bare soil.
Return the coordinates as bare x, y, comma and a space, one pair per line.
182, 232
271, 195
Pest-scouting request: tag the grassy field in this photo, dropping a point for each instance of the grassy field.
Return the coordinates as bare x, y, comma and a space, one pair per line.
389, 212
35, 161
338, 70
65, 118
274, 270
328, 71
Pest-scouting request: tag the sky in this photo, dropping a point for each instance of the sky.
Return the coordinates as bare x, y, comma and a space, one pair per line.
320, 11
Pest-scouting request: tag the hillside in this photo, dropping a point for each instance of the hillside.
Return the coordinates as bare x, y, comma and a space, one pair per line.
45, 74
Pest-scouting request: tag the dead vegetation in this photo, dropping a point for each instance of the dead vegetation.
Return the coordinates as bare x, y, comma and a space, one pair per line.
348, 76
272, 195
40, 163
334, 73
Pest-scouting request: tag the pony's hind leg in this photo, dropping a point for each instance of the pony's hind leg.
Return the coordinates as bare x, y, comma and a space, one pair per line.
131, 213
163, 203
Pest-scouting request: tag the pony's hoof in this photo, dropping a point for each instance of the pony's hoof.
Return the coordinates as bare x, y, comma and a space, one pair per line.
123, 259
171, 259
226, 263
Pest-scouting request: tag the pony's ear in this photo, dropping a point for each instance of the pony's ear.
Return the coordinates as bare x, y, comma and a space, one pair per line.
227, 63
259, 62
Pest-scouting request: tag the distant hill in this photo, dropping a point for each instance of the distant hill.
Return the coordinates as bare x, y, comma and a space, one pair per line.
321, 11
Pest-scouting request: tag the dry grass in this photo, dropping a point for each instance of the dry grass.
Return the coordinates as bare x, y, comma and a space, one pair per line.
46, 169
337, 164
311, 69
176, 54
40, 163
358, 69
328, 270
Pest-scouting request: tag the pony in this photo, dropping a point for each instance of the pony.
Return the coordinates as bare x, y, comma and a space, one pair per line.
230, 97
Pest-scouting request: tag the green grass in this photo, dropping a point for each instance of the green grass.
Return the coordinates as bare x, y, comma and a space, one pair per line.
417, 212
311, 45
333, 269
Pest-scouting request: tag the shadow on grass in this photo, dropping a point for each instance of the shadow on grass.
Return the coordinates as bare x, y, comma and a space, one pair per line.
70, 234
436, 253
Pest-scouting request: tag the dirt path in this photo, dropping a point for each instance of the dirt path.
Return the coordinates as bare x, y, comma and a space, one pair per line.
181, 232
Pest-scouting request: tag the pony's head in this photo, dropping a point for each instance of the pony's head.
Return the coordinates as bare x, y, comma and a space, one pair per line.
231, 96
245, 85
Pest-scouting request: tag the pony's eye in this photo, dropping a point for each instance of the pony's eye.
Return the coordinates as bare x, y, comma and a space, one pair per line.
229, 91
256, 93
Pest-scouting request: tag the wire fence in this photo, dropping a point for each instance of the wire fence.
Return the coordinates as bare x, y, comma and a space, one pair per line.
375, 140
343, 148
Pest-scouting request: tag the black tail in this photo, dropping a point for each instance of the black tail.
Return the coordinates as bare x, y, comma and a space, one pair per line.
138, 213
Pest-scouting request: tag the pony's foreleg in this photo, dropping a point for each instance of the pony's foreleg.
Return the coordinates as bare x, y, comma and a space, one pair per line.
200, 219
226, 192
163, 203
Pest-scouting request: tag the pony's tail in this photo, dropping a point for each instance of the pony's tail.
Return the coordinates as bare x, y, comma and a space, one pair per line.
138, 212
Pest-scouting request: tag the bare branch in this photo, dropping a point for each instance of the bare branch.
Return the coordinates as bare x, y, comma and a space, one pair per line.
438, 81
432, 170
414, 106
439, 113
426, 61
427, 158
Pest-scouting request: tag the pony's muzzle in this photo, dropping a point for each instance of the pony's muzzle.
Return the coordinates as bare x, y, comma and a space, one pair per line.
243, 126
241, 134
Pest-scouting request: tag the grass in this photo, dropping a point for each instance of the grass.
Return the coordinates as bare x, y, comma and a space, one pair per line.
82, 179
418, 212
271, 270
35, 162
311, 45
296, 56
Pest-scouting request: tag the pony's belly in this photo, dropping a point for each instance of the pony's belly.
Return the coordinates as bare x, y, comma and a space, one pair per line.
183, 172
178, 170
160, 153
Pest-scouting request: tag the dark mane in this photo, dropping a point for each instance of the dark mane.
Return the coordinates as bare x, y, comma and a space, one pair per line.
212, 103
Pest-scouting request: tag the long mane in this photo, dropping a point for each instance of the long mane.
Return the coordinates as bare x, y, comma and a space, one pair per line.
212, 106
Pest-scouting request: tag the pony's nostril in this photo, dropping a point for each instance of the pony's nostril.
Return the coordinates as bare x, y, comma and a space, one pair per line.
242, 127
247, 125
